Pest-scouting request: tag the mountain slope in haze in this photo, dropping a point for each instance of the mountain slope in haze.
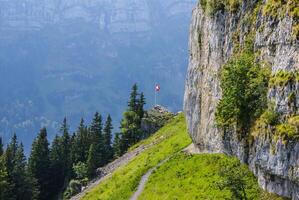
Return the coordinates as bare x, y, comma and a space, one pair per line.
71, 58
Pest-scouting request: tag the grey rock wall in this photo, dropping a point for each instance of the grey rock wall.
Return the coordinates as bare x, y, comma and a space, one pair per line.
210, 46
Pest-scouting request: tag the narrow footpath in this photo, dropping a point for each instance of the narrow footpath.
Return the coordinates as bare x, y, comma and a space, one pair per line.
107, 170
144, 180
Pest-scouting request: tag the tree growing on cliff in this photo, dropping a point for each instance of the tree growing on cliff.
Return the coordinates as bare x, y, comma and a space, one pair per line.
244, 88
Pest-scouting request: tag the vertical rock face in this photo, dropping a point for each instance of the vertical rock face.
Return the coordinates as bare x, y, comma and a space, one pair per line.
211, 45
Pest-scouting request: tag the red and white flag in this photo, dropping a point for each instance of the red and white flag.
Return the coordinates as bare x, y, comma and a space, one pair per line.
157, 88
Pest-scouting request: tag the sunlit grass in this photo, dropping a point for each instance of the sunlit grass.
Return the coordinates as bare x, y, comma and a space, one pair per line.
122, 184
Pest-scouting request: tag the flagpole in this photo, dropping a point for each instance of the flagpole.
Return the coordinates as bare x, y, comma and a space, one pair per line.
155, 97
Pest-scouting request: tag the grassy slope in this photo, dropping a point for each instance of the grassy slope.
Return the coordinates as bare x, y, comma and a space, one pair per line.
195, 177
125, 180
182, 177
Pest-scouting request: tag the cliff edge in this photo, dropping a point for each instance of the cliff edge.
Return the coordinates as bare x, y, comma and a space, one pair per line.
219, 32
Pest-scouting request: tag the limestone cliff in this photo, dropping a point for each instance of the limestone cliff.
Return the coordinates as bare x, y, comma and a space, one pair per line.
214, 35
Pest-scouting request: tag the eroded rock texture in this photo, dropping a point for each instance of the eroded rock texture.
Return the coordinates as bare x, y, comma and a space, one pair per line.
211, 45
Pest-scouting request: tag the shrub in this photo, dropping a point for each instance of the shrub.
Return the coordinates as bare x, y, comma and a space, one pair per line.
282, 78
285, 132
73, 189
244, 88
267, 120
210, 7
288, 131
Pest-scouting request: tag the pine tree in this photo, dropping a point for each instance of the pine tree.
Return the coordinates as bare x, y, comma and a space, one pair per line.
56, 165
133, 102
23, 182
97, 138
39, 164
141, 103
80, 144
116, 145
5, 186
92, 161
10, 154
130, 130
131, 123
108, 150
65, 152
1, 146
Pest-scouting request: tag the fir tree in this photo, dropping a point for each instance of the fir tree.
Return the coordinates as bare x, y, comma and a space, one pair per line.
80, 144
141, 103
39, 164
56, 165
108, 150
5, 186
92, 161
130, 130
133, 102
24, 184
1, 146
65, 151
10, 154
116, 145
97, 138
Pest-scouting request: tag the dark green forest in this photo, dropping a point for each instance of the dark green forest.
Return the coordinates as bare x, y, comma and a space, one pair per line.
60, 169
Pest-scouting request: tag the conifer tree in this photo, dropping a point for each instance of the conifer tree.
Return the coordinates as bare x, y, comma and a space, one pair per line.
131, 123
24, 184
56, 165
133, 102
116, 145
1, 147
80, 144
5, 186
141, 103
65, 151
97, 138
92, 161
39, 164
108, 150
130, 130
10, 154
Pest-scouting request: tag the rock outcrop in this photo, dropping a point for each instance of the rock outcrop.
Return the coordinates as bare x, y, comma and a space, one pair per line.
212, 42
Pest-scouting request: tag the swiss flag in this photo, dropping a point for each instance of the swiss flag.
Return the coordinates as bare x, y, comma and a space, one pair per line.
157, 88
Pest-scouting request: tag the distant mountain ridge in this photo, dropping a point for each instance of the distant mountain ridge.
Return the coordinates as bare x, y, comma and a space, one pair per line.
71, 58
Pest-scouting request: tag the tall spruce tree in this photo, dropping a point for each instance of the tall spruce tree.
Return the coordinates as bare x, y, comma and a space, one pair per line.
39, 164
97, 139
1, 147
107, 133
80, 144
130, 130
6, 189
131, 122
56, 165
133, 102
92, 161
116, 145
24, 184
65, 151
141, 103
